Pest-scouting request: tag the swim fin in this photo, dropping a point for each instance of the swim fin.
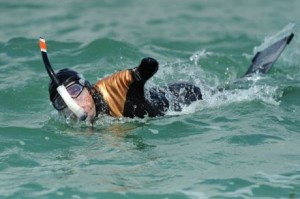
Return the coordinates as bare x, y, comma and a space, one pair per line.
265, 59
262, 62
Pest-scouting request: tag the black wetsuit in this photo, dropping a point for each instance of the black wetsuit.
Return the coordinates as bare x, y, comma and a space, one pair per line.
125, 96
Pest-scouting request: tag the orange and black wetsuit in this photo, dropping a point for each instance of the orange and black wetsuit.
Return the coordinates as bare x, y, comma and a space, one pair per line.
122, 94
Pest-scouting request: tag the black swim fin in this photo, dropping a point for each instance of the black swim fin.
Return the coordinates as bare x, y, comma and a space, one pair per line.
265, 59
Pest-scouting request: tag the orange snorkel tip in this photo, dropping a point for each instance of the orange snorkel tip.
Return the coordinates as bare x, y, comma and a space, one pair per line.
43, 46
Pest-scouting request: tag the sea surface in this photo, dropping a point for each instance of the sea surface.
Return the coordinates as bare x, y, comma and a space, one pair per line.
240, 143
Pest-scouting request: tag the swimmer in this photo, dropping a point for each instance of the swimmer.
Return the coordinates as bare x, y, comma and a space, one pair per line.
123, 95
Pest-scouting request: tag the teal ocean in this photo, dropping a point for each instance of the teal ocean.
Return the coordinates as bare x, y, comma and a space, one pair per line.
242, 143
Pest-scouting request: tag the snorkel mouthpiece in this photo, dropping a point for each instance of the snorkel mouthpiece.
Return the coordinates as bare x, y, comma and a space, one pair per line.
61, 89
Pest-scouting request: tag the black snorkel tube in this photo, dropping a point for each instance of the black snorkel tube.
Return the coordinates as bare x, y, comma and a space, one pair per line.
61, 89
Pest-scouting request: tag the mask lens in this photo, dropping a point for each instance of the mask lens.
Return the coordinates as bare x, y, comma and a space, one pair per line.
74, 90
59, 103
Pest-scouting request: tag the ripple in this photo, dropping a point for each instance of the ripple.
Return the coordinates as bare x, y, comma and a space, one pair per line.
253, 139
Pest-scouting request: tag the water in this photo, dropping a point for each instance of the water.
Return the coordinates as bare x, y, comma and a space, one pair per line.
243, 143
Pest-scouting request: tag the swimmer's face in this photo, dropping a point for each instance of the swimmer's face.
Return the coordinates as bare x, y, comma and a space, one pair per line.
82, 97
86, 102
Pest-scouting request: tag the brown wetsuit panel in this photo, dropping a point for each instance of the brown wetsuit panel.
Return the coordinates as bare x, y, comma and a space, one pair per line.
114, 89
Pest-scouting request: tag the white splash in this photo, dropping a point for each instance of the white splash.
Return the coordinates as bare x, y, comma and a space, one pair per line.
198, 55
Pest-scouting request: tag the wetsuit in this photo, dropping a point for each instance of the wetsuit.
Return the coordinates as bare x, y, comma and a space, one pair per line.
122, 94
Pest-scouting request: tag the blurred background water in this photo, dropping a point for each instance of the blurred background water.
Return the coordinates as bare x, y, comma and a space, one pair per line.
243, 143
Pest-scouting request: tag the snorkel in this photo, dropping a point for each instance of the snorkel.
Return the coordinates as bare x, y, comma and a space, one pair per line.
61, 89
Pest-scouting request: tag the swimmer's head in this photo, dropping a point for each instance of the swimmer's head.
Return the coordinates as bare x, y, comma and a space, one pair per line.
65, 76
78, 88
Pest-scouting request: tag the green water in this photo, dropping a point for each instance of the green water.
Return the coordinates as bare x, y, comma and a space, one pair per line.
243, 143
